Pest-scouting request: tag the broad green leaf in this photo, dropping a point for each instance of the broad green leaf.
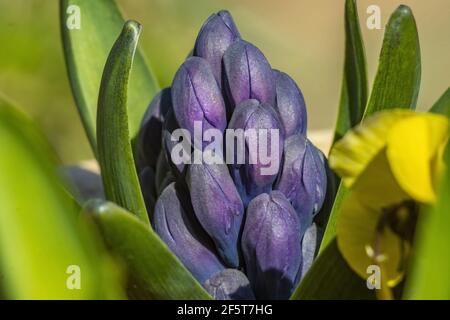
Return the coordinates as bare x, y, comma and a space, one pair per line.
331, 278
86, 47
397, 81
430, 277
115, 153
396, 85
442, 106
43, 245
354, 82
154, 272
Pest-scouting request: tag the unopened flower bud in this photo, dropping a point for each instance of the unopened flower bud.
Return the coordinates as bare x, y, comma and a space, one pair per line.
214, 38
248, 74
262, 148
303, 177
229, 284
271, 244
218, 207
290, 104
310, 245
177, 227
197, 98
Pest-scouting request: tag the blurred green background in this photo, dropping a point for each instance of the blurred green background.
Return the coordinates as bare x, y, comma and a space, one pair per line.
304, 38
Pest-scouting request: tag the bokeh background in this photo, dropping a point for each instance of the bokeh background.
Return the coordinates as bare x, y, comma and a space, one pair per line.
304, 38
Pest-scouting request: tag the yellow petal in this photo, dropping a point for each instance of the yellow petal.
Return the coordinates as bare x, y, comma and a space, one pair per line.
352, 154
361, 247
377, 187
412, 146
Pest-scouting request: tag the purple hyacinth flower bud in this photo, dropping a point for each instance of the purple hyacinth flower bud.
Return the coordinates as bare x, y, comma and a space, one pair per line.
214, 38
149, 143
303, 177
197, 98
229, 284
168, 179
310, 245
218, 207
177, 227
290, 104
248, 75
271, 244
261, 148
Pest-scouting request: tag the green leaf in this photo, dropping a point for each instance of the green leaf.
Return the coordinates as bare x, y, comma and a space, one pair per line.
155, 273
86, 50
430, 277
354, 82
396, 85
442, 106
397, 81
40, 233
331, 278
115, 153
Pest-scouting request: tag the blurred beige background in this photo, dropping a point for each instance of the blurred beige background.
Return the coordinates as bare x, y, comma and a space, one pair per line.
304, 38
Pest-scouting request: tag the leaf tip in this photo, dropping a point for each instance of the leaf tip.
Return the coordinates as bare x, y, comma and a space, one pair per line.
96, 207
132, 28
404, 10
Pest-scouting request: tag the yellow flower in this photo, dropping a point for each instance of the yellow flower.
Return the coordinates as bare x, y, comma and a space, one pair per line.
391, 163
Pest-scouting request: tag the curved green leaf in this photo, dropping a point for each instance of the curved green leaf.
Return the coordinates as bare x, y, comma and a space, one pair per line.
40, 234
354, 82
442, 106
86, 49
331, 278
154, 272
353, 96
430, 278
115, 153
396, 84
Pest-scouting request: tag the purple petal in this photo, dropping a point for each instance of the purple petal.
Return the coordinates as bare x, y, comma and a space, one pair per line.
197, 97
310, 246
248, 75
214, 38
229, 284
177, 227
255, 178
303, 177
218, 207
271, 244
290, 104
